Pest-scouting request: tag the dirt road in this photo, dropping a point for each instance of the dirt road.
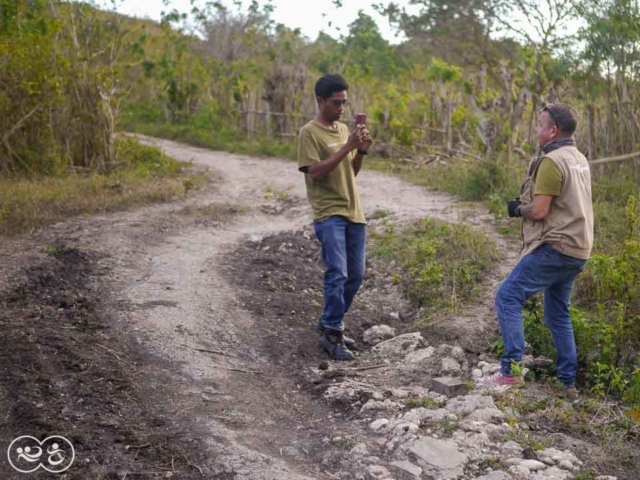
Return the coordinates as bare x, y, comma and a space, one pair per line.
201, 314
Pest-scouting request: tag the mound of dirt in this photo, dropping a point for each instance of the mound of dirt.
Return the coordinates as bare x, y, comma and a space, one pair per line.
67, 370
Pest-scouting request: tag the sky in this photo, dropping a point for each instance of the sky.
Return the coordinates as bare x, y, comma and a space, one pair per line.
310, 16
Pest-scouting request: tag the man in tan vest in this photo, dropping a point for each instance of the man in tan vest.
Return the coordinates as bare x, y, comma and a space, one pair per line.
557, 231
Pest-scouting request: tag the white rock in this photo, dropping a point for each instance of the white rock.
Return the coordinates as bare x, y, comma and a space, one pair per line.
511, 449
497, 475
398, 393
449, 366
418, 357
378, 333
458, 354
408, 467
378, 396
477, 441
405, 428
360, 450
379, 424
476, 373
378, 472
469, 403
552, 473
566, 465
468, 425
519, 472
533, 465
606, 477
487, 415
422, 415
377, 405
442, 454
490, 368
399, 346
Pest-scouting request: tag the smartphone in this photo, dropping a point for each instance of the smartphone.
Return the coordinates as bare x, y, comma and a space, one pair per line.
361, 119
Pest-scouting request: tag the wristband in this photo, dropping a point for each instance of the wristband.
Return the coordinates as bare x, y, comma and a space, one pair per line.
362, 152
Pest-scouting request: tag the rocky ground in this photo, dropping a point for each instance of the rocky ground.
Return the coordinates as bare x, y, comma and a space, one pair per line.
177, 341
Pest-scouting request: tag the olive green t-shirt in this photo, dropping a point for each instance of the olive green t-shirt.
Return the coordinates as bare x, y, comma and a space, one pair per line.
336, 194
548, 179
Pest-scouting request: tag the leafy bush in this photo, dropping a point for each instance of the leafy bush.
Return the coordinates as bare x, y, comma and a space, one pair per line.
437, 265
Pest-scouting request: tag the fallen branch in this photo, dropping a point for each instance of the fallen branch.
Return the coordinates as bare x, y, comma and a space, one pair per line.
370, 367
243, 371
112, 353
619, 158
128, 447
217, 352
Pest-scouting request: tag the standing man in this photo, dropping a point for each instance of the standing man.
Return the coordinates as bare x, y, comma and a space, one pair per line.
330, 158
557, 229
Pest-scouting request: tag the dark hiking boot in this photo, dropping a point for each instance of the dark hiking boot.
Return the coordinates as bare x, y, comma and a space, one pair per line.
349, 342
333, 343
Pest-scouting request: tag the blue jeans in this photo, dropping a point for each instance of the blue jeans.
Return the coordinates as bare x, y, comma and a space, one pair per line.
550, 271
343, 252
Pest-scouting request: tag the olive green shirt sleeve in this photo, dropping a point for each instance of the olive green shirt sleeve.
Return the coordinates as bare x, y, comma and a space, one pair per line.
548, 179
308, 151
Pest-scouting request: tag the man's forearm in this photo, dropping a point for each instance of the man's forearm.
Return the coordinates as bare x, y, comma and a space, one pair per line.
357, 163
321, 170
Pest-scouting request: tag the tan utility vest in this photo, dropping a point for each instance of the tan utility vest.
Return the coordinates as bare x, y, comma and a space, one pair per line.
568, 227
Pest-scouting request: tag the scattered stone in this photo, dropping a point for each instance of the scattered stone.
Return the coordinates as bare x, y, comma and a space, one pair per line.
324, 365
497, 475
378, 396
566, 465
378, 472
552, 473
405, 429
519, 472
511, 449
349, 391
408, 467
450, 366
476, 373
209, 390
379, 424
397, 393
442, 454
422, 415
468, 425
378, 333
533, 465
449, 386
476, 441
418, 357
378, 405
542, 362
606, 477
360, 450
487, 415
527, 361
399, 346
489, 368
470, 403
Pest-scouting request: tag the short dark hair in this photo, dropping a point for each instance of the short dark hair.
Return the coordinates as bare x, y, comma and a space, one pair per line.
330, 84
563, 116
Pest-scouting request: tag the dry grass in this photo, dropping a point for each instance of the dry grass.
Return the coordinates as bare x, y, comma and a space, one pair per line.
147, 176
